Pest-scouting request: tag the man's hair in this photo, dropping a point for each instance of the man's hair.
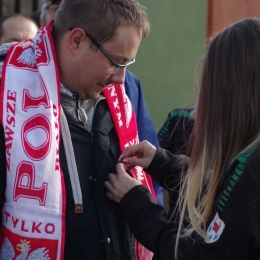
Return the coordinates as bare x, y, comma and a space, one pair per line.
11, 16
100, 18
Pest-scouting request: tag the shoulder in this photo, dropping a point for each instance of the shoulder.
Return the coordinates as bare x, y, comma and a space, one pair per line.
252, 165
184, 112
129, 76
242, 187
131, 81
4, 48
178, 115
232, 228
177, 128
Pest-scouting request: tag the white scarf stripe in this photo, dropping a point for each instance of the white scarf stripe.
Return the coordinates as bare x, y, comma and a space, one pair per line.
71, 162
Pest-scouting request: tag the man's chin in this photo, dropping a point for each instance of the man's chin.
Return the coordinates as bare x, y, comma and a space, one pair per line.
95, 92
101, 86
94, 95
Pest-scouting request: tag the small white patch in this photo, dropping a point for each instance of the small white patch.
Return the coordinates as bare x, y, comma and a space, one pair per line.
37, 137
140, 173
215, 229
121, 157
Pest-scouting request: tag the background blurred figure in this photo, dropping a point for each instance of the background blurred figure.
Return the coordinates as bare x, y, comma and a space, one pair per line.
176, 130
36, 17
174, 136
16, 28
49, 8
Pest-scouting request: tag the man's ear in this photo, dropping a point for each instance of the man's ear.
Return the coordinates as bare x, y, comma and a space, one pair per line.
77, 39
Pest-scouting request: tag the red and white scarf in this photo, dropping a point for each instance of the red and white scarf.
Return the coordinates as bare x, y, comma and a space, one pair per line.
33, 216
125, 123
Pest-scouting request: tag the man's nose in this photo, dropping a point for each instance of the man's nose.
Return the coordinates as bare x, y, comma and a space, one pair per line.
118, 77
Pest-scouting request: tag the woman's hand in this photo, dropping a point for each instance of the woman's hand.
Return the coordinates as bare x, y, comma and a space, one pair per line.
140, 154
119, 184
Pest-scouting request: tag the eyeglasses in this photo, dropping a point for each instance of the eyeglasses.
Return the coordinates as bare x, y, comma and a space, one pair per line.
117, 66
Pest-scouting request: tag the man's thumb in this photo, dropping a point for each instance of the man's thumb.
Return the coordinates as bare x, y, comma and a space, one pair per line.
121, 168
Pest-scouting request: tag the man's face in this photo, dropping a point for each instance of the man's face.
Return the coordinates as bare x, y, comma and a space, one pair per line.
93, 70
18, 29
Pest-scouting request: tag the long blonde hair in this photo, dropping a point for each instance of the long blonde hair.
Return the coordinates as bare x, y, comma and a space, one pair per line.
227, 120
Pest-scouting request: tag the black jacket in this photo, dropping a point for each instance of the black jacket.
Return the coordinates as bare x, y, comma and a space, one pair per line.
237, 204
175, 133
100, 232
174, 136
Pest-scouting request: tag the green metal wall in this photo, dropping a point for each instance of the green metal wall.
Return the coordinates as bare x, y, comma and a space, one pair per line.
166, 60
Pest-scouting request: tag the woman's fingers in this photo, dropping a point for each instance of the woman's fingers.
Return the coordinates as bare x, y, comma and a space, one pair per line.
140, 154
133, 161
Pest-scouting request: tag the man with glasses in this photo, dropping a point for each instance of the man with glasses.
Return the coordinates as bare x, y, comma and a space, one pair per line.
133, 89
65, 120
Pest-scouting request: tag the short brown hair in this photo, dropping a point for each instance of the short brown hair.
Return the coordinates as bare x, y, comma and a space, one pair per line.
100, 18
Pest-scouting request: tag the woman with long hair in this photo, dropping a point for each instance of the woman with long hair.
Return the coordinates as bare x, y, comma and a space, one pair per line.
218, 210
